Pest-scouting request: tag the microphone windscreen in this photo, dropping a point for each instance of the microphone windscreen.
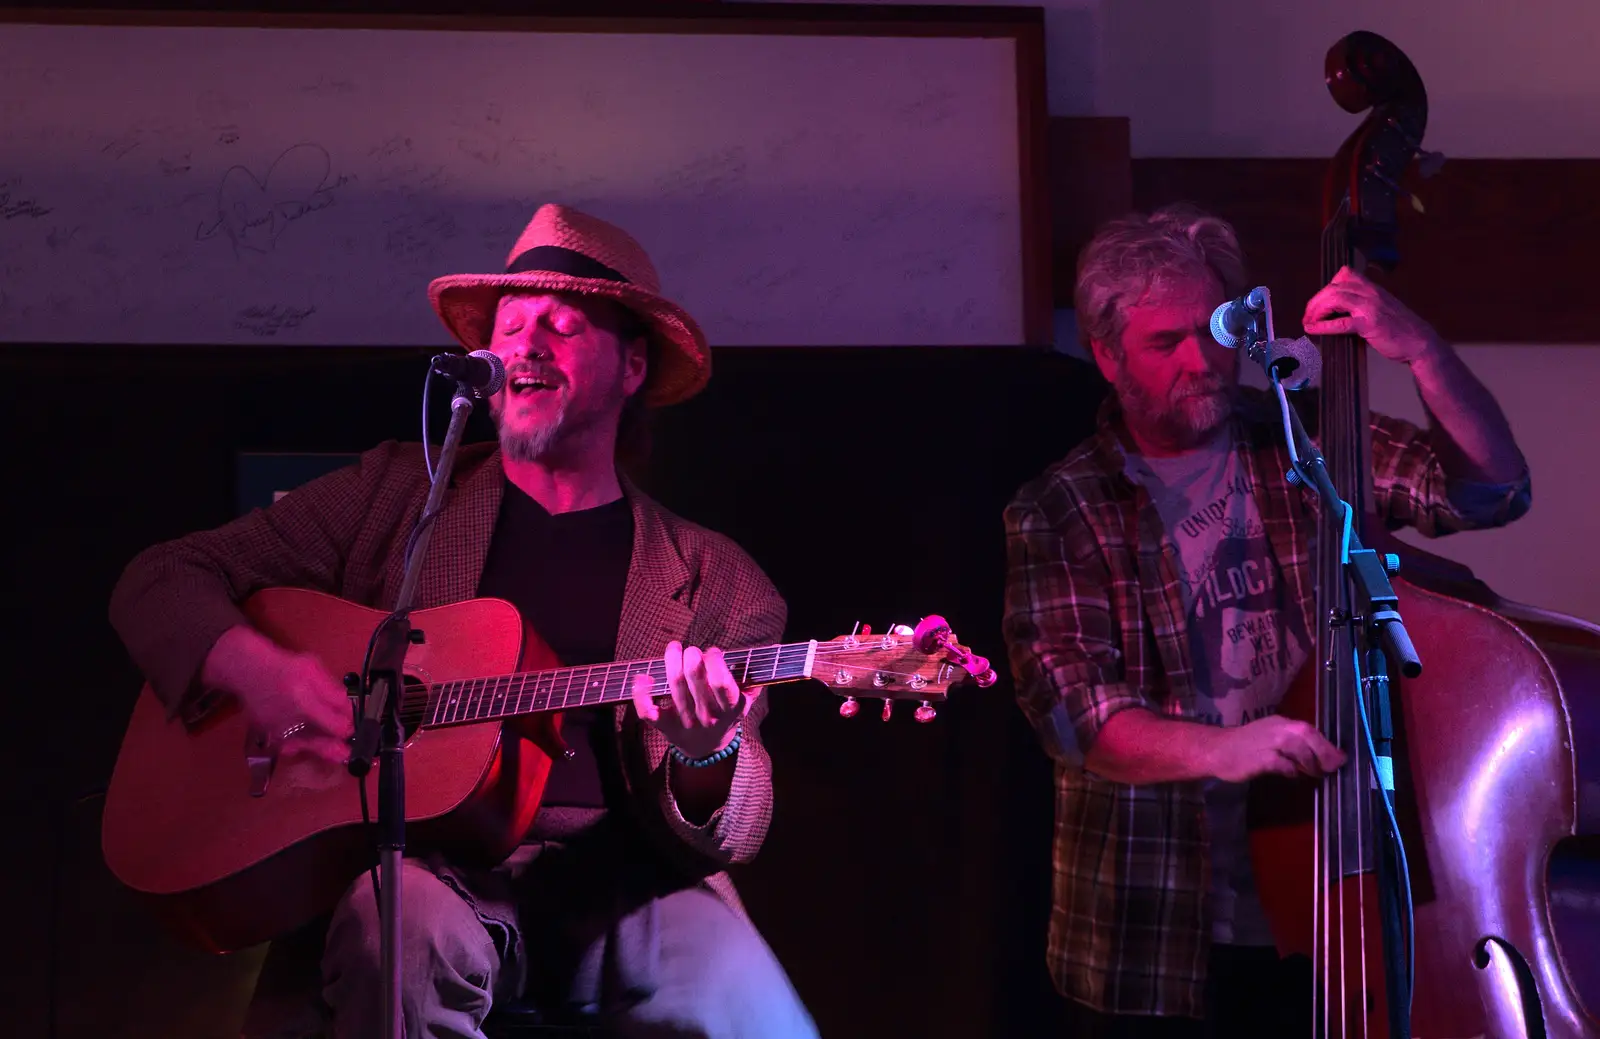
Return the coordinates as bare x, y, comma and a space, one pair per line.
1307, 368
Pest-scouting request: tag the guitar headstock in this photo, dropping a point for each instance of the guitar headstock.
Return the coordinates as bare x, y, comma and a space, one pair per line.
903, 663
1365, 71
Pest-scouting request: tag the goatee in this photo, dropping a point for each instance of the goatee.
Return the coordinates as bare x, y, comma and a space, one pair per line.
531, 445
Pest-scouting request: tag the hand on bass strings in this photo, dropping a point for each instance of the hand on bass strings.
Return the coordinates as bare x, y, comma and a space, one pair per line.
707, 702
1351, 304
289, 698
1274, 745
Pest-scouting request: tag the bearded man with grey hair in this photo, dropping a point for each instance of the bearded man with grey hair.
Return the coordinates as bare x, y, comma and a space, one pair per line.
1158, 605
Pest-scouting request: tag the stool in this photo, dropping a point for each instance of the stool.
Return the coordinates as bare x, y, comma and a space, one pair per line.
516, 1019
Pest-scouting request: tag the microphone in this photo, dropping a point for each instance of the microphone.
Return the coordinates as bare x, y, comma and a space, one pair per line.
1296, 362
1230, 323
480, 371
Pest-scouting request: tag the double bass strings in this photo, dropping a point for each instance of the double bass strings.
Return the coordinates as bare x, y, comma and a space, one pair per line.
1363, 723
1387, 798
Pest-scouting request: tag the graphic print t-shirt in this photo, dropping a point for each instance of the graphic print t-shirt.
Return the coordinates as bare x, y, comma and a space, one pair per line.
1246, 640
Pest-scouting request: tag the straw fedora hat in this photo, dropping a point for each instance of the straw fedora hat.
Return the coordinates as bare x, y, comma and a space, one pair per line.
563, 250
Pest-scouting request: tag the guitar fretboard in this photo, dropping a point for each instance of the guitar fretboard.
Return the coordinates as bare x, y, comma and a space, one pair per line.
502, 696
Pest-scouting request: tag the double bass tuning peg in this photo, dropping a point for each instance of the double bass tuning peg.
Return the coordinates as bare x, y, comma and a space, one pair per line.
1429, 163
1379, 175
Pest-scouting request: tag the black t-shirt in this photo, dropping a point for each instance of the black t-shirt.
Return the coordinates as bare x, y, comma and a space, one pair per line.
565, 574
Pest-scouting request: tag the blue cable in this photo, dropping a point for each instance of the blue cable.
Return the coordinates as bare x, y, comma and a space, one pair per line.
1361, 710
1399, 844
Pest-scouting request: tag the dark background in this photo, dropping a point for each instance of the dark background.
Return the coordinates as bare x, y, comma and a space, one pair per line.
905, 880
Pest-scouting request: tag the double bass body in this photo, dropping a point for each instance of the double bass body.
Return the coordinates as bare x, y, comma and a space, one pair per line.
1494, 793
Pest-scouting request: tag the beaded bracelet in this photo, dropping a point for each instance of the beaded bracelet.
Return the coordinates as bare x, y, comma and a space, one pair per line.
711, 759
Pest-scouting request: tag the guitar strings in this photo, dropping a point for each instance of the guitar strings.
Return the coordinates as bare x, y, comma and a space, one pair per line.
463, 700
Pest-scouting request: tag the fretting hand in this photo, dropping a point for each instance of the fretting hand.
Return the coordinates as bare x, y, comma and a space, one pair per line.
1351, 304
707, 703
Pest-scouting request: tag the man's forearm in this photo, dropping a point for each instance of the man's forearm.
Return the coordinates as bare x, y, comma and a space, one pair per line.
1476, 442
1137, 746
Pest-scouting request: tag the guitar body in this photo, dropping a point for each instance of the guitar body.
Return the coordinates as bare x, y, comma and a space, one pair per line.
1488, 786
234, 849
230, 870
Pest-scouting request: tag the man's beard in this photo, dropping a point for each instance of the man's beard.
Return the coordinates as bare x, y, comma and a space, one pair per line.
1204, 406
532, 445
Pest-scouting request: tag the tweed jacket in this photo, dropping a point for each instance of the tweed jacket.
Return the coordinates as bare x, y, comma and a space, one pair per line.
345, 533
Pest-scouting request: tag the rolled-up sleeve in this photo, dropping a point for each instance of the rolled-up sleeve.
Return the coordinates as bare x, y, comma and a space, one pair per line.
1412, 489
1061, 636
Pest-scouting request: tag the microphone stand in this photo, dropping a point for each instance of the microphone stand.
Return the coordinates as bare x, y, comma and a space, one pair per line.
1381, 646
381, 732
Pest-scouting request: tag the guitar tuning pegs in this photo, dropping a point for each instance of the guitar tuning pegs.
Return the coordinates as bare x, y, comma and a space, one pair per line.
925, 713
849, 708
900, 629
888, 706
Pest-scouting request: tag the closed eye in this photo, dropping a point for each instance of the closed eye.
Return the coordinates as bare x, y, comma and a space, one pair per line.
564, 322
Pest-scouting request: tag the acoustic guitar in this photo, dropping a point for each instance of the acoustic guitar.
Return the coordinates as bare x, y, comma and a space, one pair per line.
235, 847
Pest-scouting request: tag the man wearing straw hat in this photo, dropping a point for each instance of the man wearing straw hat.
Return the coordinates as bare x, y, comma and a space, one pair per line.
618, 901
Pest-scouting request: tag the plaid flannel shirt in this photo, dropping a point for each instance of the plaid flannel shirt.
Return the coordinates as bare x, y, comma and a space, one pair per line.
1095, 623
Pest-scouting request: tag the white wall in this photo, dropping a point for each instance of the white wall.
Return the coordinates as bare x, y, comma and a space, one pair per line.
1504, 79
1550, 557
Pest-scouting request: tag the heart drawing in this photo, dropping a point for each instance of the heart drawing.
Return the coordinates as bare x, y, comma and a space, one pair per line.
252, 212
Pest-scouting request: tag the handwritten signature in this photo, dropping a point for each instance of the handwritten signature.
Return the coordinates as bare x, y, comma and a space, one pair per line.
12, 206
324, 85
253, 211
271, 319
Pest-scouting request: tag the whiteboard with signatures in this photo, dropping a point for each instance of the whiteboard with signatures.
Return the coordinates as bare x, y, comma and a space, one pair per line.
223, 185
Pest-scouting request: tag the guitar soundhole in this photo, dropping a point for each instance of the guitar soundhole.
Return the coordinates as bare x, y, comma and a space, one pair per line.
414, 705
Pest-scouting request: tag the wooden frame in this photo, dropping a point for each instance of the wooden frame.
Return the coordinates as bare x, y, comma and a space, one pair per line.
1023, 25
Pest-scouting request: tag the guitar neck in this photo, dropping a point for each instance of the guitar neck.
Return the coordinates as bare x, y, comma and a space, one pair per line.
532, 692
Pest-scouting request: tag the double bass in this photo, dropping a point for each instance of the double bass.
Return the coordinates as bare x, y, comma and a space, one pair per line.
1444, 883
